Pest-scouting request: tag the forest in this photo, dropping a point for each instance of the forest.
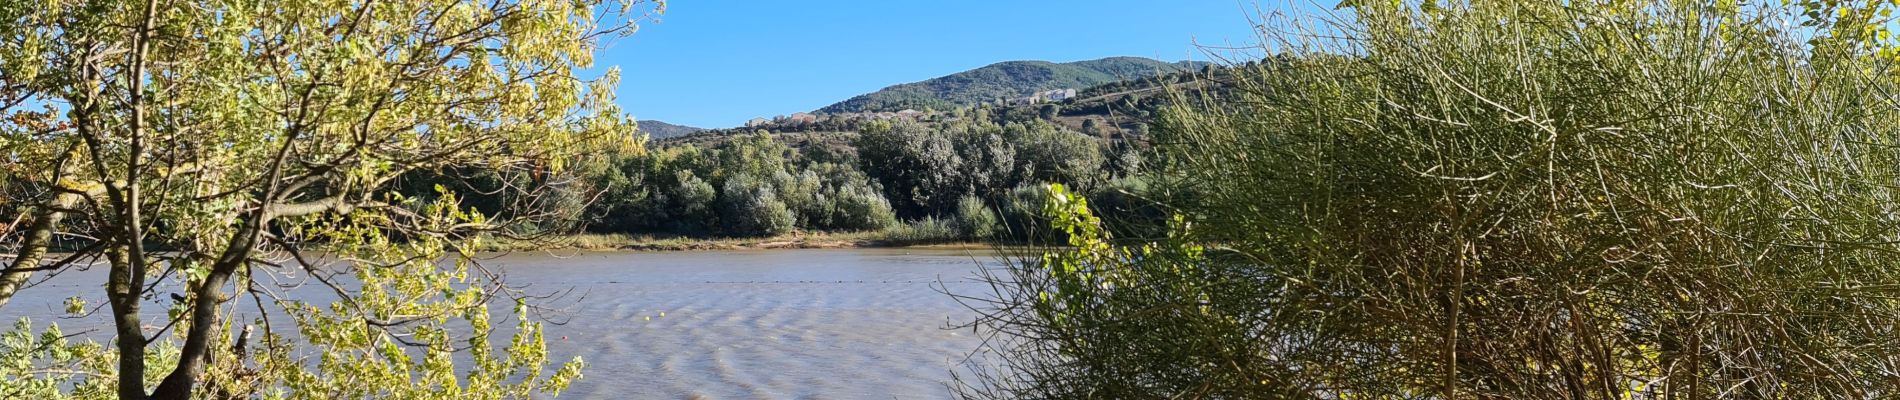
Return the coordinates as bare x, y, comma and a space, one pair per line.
974, 174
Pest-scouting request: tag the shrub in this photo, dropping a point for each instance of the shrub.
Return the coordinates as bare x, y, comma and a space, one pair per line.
974, 219
692, 201
1053, 154
1130, 209
1495, 200
801, 193
1020, 214
924, 231
861, 208
752, 208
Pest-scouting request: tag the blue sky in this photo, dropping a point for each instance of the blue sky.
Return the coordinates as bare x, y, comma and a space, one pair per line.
717, 63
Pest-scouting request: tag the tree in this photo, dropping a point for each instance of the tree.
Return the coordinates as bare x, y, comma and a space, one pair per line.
1055, 154
861, 208
204, 139
921, 169
752, 208
692, 203
1493, 200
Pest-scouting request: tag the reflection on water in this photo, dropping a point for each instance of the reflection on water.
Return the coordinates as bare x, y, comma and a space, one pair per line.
833, 324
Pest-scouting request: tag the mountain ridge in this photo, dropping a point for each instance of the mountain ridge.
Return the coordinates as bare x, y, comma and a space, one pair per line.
656, 129
1005, 80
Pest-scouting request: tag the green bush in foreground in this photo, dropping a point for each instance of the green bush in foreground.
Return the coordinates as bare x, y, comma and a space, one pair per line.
1495, 200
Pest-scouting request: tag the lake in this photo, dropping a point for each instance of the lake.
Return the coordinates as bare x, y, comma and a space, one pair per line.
786, 324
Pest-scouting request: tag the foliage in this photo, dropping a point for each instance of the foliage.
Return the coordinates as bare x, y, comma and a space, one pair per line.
1113, 321
751, 207
1492, 200
1020, 212
1051, 154
50, 365
1133, 208
926, 230
919, 169
859, 207
746, 186
200, 148
974, 220
926, 169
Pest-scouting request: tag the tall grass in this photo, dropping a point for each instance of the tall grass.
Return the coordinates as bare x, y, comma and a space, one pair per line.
1497, 200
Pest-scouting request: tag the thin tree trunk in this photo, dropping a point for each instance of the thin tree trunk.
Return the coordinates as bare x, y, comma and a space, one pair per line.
204, 313
130, 262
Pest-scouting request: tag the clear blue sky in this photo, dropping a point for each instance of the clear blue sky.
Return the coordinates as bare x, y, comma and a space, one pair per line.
717, 63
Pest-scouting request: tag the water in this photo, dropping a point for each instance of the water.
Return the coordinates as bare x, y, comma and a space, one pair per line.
784, 324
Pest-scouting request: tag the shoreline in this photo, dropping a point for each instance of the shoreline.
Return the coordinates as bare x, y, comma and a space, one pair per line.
650, 243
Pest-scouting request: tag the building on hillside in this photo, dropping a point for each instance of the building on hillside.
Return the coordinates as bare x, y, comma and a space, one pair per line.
1060, 95
801, 118
907, 113
1046, 96
756, 122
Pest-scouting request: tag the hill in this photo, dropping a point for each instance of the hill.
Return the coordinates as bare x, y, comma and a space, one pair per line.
1008, 79
660, 130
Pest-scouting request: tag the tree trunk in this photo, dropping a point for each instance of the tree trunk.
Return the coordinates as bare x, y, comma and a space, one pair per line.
207, 297
132, 233
124, 297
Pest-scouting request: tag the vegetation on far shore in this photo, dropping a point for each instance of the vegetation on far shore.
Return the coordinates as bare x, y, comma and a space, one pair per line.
973, 174
802, 240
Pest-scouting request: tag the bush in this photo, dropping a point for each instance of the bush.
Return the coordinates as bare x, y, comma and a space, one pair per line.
919, 168
691, 203
802, 194
861, 208
924, 231
752, 208
1529, 200
974, 219
1053, 154
1021, 215
1129, 208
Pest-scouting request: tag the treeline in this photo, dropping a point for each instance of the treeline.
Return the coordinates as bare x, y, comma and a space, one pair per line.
752, 185
964, 179
971, 173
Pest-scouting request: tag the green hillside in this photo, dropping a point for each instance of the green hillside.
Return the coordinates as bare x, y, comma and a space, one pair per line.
1004, 80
